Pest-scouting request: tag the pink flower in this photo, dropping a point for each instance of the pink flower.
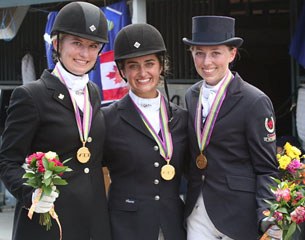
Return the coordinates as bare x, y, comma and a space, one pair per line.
34, 156
298, 215
40, 167
299, 196
293, 166
57, 162
278, 216
282, 194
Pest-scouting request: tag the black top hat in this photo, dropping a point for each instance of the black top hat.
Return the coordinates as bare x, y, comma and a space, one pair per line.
213, 30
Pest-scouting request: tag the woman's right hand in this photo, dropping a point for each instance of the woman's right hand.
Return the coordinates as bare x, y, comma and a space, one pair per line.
45, 203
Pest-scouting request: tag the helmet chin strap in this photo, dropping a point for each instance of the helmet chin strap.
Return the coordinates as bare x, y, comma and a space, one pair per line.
63, 65
166, 90
120, 72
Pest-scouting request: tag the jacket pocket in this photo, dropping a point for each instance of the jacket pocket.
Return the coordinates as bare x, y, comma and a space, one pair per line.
123, 204
241, 183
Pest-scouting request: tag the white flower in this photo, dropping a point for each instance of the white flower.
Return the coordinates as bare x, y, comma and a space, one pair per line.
50, 155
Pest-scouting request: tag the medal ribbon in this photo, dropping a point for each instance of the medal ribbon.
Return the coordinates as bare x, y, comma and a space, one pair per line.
203, 137
84, 124
165, 145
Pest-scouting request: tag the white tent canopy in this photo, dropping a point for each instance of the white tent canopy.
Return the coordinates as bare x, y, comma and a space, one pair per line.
12, 14
16, 3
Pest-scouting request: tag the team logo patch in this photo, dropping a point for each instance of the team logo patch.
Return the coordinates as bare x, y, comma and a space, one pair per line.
270, 137
92, 28
269, 124
137, 44
61, 96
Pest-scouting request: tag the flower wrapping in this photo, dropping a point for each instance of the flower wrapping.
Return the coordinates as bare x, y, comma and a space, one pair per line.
288, 209
43, 171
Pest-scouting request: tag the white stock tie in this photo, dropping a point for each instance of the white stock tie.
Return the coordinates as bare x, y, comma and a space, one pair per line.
207, 100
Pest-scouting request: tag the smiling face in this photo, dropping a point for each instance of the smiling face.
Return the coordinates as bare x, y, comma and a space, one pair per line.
143, 75
77, 54
212, 62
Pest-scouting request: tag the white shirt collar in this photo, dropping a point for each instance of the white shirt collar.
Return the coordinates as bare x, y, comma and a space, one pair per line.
74, 83
149, 104
212, 88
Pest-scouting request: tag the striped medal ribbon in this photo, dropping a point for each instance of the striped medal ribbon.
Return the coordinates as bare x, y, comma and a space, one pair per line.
165, 144
204, 135
83, 124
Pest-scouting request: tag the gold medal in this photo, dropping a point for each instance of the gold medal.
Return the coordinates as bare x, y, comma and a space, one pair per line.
201, 161
167, 172
83, 154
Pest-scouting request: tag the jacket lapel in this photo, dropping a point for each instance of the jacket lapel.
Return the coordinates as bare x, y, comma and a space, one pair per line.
232, 98
95, 99
130, 115
194, 100
62, 96
172, 122
60, 92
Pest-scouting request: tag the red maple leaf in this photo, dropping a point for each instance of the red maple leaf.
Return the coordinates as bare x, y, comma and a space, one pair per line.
114, 75
270, 124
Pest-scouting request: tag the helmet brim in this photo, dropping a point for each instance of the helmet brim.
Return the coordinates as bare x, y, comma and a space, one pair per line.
137, 54
86, 36
236, 42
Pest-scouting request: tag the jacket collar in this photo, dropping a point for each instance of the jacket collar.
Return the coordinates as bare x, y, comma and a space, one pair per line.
61, 93
233, 95
129, 114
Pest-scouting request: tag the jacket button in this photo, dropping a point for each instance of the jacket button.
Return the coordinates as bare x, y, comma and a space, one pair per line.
156, 164
157, 197
89, 139
86, 170
156, 181
156, 148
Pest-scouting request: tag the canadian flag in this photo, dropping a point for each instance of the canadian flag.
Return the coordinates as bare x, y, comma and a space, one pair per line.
114, 86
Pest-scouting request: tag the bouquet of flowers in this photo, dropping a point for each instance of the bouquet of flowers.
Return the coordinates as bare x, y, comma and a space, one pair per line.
288, 209
43, 172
